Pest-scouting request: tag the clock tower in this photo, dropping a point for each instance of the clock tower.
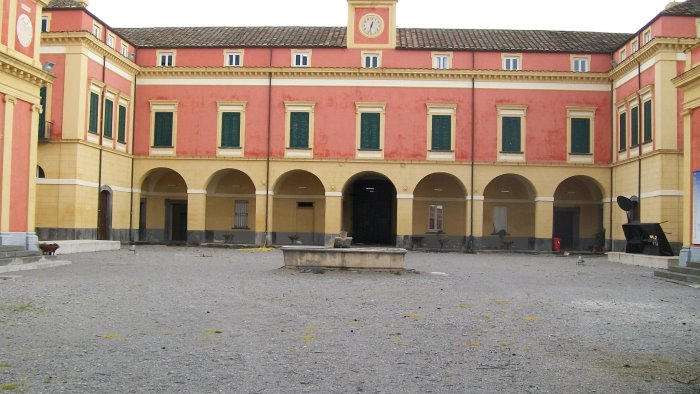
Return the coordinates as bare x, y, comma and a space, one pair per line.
372, 24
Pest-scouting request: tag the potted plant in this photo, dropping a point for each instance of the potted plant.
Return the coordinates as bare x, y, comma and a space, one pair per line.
599, 239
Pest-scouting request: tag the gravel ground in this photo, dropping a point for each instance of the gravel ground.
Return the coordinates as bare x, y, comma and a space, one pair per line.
211, 320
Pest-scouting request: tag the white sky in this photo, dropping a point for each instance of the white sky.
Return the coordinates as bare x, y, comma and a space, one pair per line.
624, 16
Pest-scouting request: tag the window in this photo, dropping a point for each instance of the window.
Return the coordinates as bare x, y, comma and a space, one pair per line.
370, 130
109, 118
94, 112
299, 129
43, 134
500, 220
441, 126
635, 45
233, 59
97, 31
163, 127
121, 124
511, 132
231, 128
370, 60
240, 214
580, 64
442, 61
166, 59
623, 54
44, 24
622, 124
634, 126
512, 62
435, 215
581, 133
111, 42
647, 124
647, 36
441, 132
301, 58
125, 50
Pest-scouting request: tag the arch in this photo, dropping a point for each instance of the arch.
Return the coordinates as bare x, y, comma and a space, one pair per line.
298, 209
439, 212
369, 208
578, 213
40, 172
509, 213
104, 214
230, 207
163, 206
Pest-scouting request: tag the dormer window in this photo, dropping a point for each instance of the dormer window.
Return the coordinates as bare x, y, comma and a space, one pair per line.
623, 54
371, 60
512, 62
234, 59
580, 64
97, 31
166, 59
301, 58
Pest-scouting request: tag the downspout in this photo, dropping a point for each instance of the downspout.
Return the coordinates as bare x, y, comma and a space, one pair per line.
133, 158
473, 138
267, 156
613, 119
639, 138
100, 131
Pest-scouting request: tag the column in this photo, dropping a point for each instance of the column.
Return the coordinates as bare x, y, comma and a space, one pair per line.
196, 216
6, 192
263, 212
334, 217
544, 222
404, 220
477, 219
32, 239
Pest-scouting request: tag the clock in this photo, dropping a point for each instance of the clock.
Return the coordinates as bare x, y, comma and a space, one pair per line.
25, 30
371, 25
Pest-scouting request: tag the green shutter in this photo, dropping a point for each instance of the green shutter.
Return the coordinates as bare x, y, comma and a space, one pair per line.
299, 130
634, 129
647, 121
42, 115
231, 130
369, 130
442, 132
511, 135
94, 108
163, 130
109, 117
121, 127
580, 136
623, 132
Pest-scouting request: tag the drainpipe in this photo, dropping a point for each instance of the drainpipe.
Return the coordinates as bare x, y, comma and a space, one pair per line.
473, 139
133, 157
613, 119
267, 156
100, 131
639, 138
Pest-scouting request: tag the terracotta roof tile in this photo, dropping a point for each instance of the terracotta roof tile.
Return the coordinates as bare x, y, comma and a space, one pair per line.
65, 4
687, 8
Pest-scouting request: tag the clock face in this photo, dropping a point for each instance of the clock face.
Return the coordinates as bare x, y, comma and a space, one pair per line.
371, 25
25, 31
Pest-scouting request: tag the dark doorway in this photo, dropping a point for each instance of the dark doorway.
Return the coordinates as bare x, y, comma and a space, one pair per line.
373, 212
142, 220
178, 220
104, 219
566, 225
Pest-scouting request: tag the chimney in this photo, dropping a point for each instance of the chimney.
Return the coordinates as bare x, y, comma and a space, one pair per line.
83, 2
669, 5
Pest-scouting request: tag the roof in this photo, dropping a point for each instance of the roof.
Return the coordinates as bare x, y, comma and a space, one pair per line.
687, 8
335, 37
65, 4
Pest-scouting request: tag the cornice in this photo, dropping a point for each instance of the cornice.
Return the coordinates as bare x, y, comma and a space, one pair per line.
24, 71
92, 43
648, 51
689, 77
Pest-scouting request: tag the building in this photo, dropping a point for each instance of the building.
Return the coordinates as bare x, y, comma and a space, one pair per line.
21, 78
455, 138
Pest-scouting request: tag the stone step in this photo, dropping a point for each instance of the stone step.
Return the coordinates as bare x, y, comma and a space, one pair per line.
21, 260
677, 276
685, 270
18, 253
693, 265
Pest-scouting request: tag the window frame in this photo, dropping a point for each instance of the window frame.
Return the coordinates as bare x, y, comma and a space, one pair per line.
577, 112
46, 23
229, 53
623, 54
122, 104
108, 122
512, 111
647, 37
437, 56
228, 107
160, 55
158, 106
436, 218
635, 45
634, 122
580, 59
371, 54
111, 40
97, 31
303, 53
509, 57
441, 109
124, 50
622, 112
647, 98
364, 108
298, 107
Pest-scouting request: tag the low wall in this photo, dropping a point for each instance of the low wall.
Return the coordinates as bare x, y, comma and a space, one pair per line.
78, 246
658, 262
383, 259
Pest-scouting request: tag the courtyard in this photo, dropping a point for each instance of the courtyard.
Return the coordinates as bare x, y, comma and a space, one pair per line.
199, 320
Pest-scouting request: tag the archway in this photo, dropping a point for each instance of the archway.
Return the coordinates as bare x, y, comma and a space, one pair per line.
509, 213
578, 214
230, 208
369, 209
104, 214
299, 209
439, 212
163, 207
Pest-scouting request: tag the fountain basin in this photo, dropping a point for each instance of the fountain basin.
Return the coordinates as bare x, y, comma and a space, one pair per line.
380, 259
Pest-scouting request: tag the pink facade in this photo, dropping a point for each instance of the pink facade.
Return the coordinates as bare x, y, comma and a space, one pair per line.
20, 165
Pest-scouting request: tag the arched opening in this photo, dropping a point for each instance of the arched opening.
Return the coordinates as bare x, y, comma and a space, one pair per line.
369, 209
439, 212
299, 209
163, 207
509, 213
230, 208
104, 215
40, 172
578, 214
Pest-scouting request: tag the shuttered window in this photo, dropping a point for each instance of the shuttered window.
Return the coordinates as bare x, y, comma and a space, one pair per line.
623, 131
634, 126
109, 118
121, 125
369, 130
299, 130
442, 132
240, 216
580, 136
647, 121
163, 130
231, 130
94, 112
511, 134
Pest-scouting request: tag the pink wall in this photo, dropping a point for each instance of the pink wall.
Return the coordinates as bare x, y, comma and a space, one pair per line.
20, 166
5, 21
2, 128
57, 90
22, 7
695, 142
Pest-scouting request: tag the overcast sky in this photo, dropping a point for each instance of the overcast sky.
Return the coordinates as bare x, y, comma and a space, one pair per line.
623, 16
